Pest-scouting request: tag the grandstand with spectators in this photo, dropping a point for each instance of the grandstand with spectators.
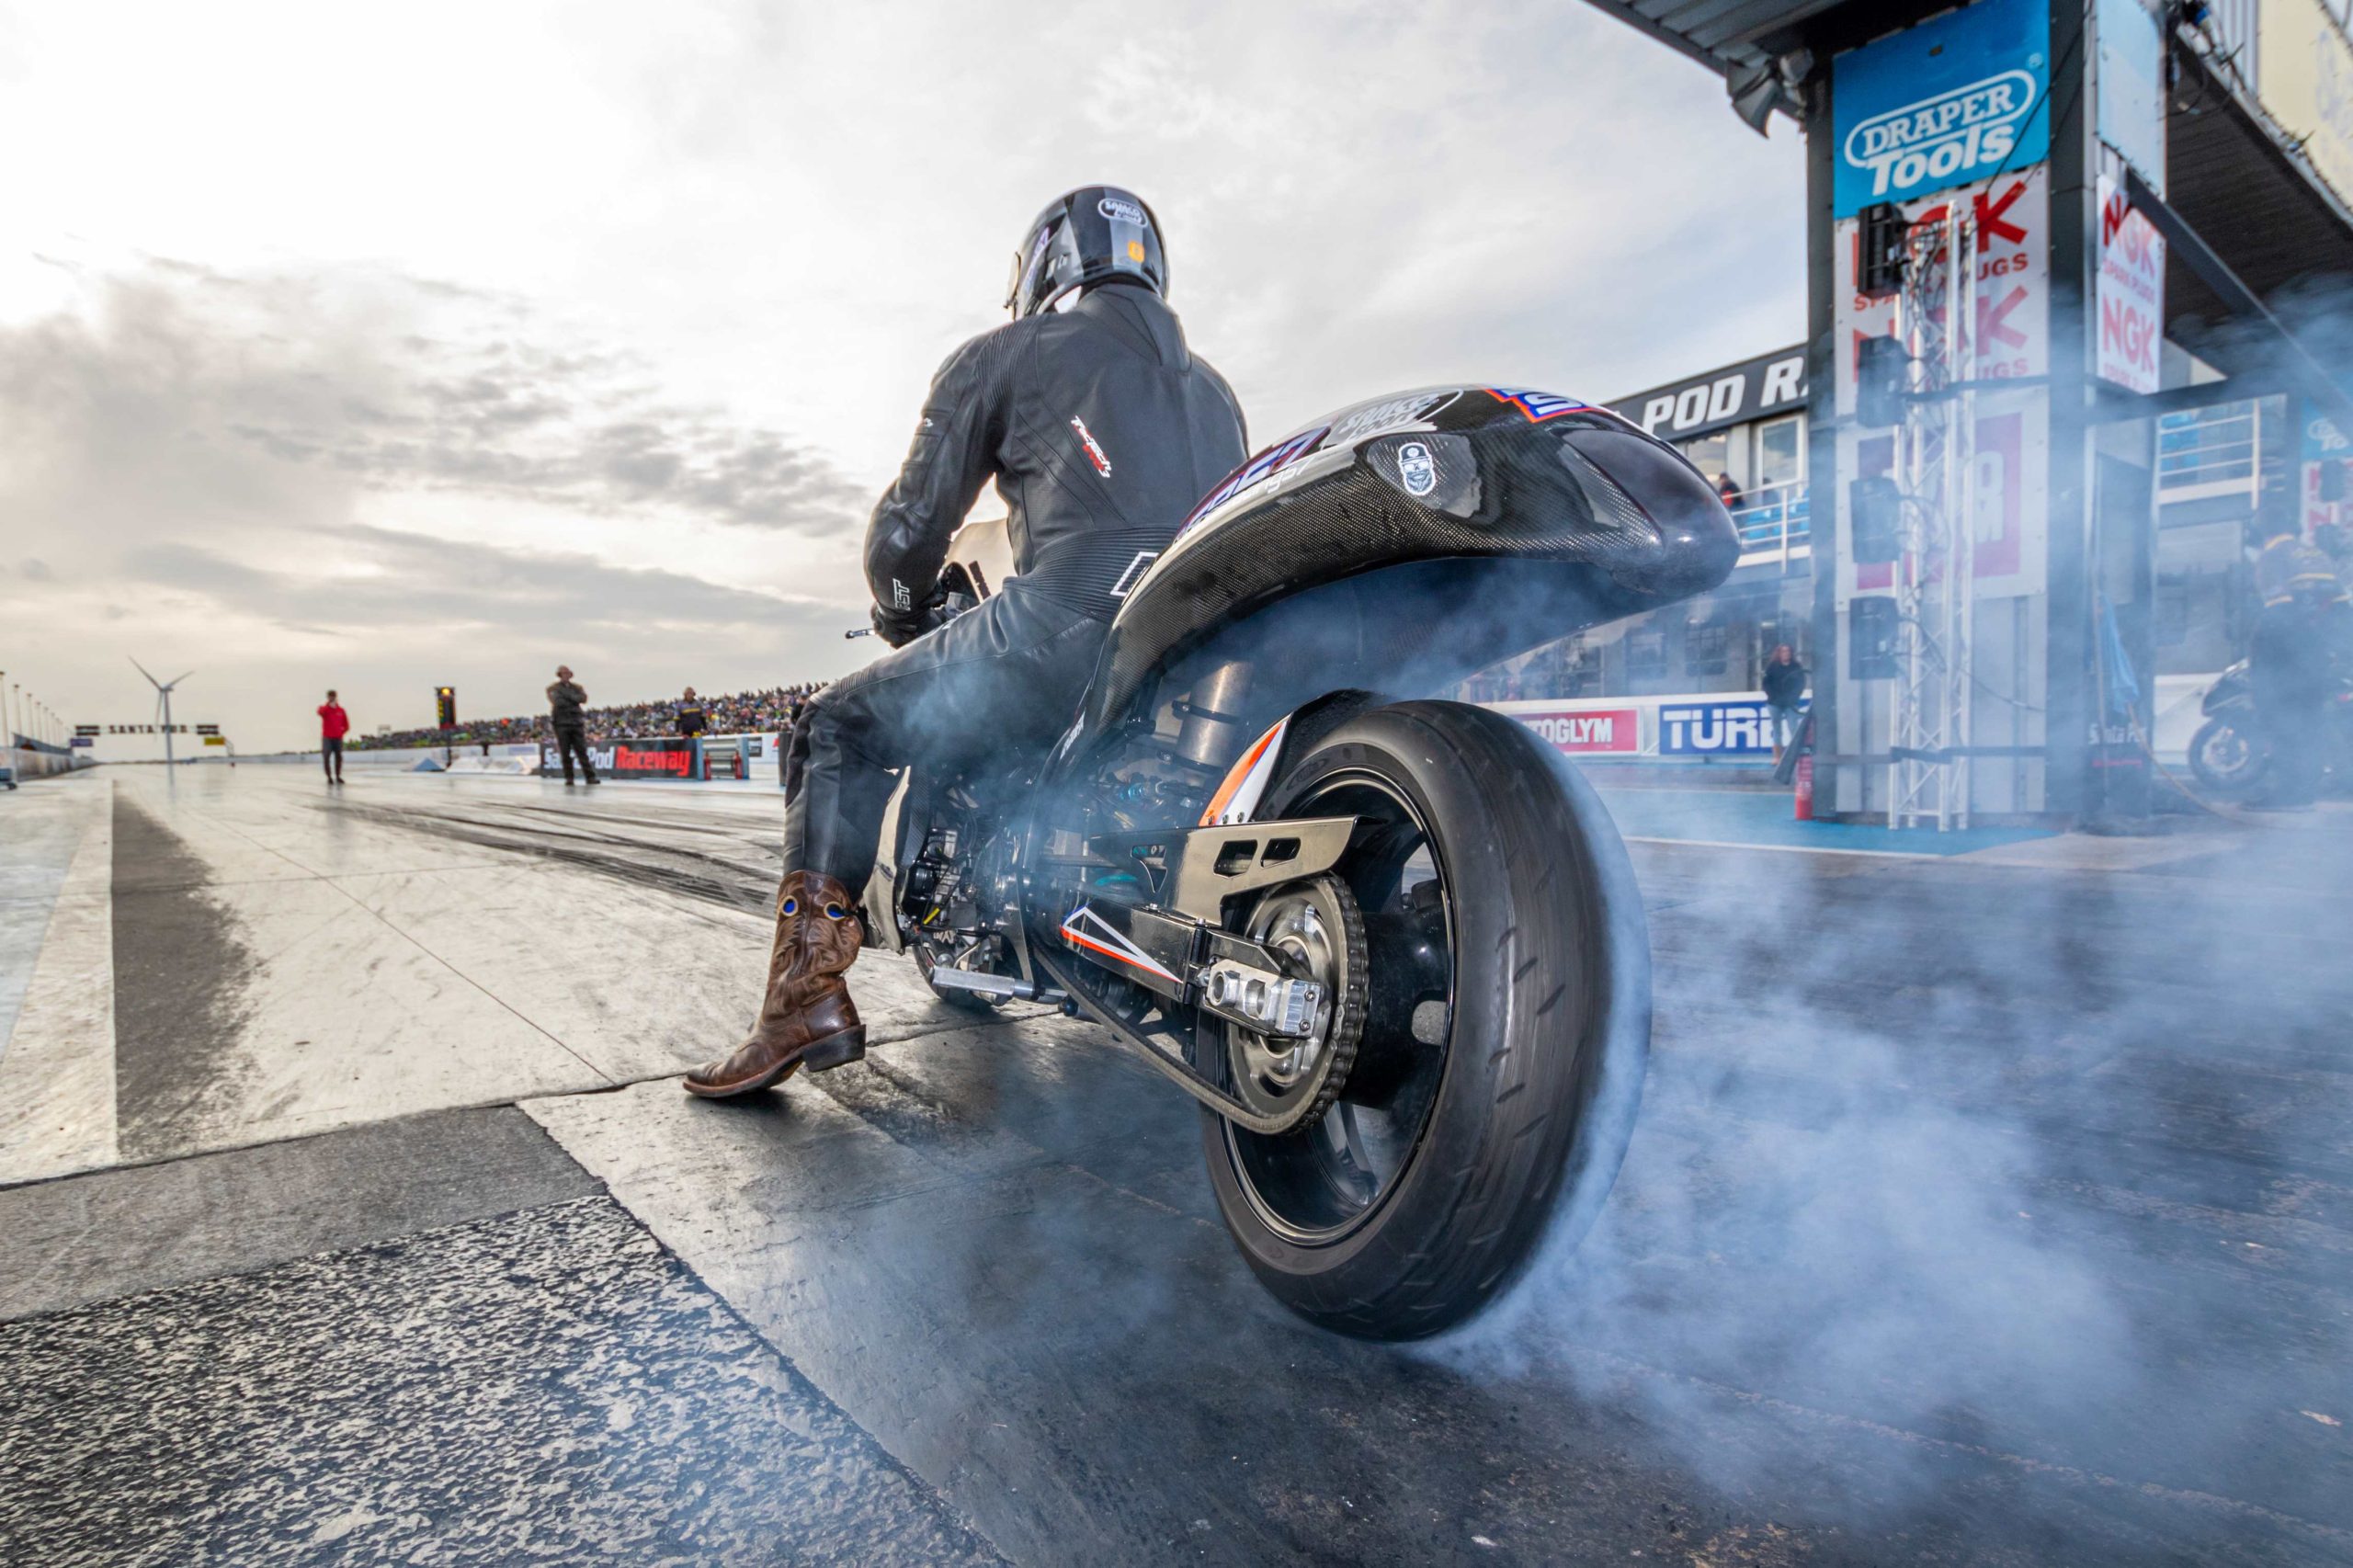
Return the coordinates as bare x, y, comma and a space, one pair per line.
773, 711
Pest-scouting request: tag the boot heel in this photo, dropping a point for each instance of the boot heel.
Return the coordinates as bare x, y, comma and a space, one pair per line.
836, 1050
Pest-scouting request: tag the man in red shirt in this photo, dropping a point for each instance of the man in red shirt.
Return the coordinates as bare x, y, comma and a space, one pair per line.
334, 725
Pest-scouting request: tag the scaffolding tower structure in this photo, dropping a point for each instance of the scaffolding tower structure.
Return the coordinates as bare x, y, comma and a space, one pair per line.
1936, 312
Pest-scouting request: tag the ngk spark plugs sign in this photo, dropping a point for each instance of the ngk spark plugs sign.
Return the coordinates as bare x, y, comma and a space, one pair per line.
1582, 732
2010, 217
2132, 292
1715, 729
1950, 102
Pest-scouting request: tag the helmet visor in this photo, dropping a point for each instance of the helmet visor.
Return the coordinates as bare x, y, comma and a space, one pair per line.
1034, 258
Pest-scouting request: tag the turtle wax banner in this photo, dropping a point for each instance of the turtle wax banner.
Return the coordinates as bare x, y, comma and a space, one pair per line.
1950, 102
1737, 728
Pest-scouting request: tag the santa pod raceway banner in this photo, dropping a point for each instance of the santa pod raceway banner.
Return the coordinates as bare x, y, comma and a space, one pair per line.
1952, 101
669, 757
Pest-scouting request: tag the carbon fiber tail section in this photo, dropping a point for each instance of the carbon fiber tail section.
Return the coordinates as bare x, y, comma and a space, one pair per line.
1405, 543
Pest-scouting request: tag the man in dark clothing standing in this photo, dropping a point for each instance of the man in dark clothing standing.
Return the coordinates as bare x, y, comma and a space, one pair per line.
566, 702
1784, 689
334, 725
1101, 429
693, 720
2301, 595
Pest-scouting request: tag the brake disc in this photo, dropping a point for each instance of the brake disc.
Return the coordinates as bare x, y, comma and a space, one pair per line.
1315, 929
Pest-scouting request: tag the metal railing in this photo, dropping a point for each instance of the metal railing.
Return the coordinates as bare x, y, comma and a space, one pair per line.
2206, 453
1775, 523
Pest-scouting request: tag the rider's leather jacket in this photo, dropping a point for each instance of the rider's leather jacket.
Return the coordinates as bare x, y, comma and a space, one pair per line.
1101, 429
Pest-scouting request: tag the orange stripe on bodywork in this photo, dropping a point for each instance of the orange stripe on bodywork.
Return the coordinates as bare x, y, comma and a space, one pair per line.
1238, 773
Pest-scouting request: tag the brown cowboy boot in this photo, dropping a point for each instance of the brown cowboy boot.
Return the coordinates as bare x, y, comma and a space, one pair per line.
806, 1015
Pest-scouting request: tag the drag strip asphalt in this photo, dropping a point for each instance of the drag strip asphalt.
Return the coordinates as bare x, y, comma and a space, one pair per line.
1983, 1209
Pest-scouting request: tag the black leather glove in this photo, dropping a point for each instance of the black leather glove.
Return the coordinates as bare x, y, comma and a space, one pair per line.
898, 626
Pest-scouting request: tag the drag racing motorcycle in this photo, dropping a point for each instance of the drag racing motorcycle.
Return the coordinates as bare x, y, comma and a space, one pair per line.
1391, 944
2229, 754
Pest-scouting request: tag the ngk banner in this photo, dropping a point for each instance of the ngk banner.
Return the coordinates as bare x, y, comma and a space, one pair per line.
2012, 218
1949, 102
2012, 285
2132, 291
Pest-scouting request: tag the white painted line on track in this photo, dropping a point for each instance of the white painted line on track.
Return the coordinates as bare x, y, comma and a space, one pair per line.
1801, 848
57, 1091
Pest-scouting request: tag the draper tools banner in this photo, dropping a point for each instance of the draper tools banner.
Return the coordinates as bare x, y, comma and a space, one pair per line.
1943, 104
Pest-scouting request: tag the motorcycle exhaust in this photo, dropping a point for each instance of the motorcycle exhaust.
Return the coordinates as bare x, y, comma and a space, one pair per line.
1210, 736
1003, 986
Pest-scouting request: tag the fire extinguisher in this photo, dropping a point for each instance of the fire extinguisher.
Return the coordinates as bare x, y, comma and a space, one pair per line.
1805, 789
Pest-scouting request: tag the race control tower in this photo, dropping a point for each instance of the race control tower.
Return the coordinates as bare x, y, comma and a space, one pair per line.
2077, 272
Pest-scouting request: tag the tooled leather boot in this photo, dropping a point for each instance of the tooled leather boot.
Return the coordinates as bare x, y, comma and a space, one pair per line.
806, 1015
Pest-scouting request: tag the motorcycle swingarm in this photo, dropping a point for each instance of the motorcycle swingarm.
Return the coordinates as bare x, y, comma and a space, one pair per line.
1166, 953
1167, 946
1071, 978
1194, 870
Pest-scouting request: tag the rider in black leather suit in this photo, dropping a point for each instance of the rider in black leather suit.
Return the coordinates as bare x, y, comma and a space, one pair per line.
1101, 429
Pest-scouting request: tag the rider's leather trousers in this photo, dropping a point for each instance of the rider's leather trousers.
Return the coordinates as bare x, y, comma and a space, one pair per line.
1001, 681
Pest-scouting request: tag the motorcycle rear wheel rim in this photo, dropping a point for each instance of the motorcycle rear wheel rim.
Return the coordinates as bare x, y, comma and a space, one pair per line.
1319, 1184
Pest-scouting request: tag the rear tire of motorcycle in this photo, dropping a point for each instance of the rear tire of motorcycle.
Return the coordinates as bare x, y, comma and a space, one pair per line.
2238, 781
1547, 1039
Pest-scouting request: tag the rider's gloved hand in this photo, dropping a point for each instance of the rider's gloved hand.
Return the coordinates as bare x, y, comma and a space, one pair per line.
898, 626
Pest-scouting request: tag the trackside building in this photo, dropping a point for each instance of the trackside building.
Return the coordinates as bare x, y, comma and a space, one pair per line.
2067, 350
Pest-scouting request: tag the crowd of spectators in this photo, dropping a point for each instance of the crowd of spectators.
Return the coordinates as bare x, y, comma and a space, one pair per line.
772, 712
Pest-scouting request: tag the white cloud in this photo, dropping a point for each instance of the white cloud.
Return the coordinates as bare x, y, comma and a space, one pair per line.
697, 263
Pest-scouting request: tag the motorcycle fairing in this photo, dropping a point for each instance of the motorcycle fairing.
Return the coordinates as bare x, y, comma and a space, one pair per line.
880, 899
1404, 543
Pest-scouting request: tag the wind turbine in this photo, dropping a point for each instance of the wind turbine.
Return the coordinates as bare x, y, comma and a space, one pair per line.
164, 704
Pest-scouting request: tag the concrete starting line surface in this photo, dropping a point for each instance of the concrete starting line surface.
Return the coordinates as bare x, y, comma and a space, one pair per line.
346, 1212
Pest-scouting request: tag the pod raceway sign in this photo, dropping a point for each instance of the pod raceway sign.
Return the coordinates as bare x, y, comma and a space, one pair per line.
1954, 100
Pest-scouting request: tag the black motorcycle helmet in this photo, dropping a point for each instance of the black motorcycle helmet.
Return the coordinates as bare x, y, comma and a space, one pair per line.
1094, 233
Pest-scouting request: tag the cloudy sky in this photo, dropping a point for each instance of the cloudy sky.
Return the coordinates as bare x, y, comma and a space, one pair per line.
379, 347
